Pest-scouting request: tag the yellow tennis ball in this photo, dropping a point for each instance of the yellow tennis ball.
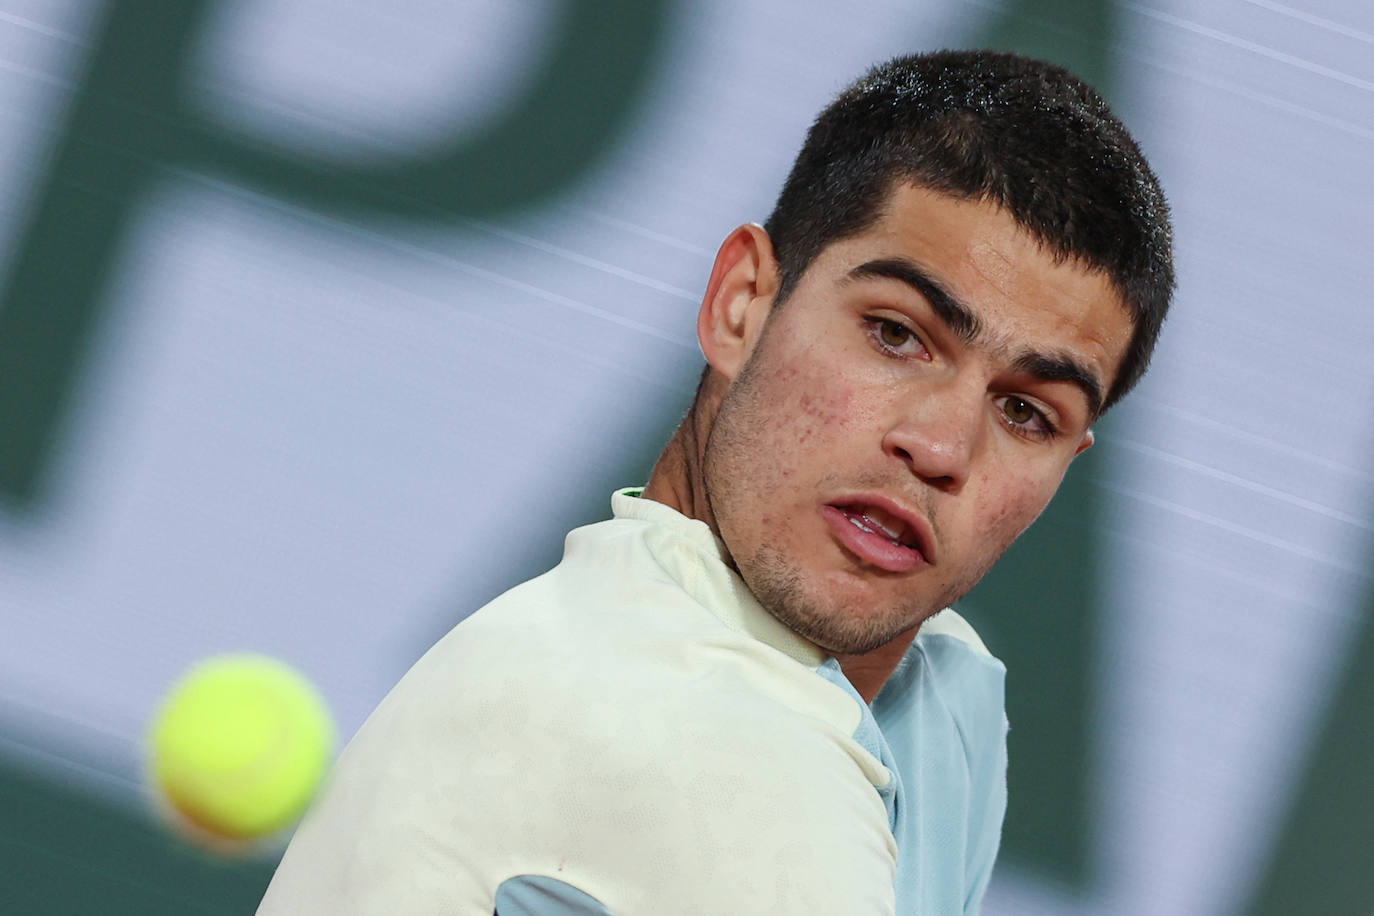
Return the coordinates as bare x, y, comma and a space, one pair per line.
240, 746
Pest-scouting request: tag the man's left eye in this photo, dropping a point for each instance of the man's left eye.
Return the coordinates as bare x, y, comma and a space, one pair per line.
893, 334
1018, 411
1025, 418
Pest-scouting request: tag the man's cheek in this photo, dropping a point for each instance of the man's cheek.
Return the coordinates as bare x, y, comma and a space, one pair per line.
821, 412
1007, 513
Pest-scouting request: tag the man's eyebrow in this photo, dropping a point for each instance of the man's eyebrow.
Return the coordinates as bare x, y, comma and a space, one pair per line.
963, 321
958, 317
1062, 368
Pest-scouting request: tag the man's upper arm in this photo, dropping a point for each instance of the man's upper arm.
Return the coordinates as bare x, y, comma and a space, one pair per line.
678, 807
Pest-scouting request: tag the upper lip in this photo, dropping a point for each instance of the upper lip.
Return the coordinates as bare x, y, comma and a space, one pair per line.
918, 528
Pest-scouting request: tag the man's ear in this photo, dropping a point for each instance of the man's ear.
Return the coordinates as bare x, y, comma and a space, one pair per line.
744, 281
1086, 444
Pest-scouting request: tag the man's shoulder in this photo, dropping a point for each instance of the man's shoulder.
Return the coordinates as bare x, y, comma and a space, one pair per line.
610, 649
948, 681
950, 656
949, 624
595, 724
607, 568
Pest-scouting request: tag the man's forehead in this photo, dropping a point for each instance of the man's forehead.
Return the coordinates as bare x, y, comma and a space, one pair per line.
1003, 240
992, 260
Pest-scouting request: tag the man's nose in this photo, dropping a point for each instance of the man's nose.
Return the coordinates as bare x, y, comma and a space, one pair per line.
938, 437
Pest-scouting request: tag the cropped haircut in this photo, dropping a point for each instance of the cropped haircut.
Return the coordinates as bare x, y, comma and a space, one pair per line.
989, 126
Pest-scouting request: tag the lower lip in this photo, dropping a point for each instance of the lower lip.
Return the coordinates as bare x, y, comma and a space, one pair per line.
873, 549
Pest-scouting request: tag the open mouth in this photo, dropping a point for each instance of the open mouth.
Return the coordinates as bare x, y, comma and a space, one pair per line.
877, 536
876, 521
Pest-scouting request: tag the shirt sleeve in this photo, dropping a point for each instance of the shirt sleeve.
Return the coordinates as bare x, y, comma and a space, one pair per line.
536, 895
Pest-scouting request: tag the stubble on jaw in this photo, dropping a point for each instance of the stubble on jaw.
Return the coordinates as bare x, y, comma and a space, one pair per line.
781, 589
778, 586
771, 573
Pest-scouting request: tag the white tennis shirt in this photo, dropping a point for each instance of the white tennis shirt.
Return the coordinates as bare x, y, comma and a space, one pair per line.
631, 734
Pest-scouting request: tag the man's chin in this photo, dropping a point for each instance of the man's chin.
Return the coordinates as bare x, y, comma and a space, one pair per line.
828, 622
839, 635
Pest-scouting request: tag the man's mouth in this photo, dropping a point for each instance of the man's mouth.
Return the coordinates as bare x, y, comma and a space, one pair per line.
877, 535
875, 521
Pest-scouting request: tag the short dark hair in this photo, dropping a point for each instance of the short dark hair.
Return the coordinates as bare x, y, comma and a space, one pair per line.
985, 125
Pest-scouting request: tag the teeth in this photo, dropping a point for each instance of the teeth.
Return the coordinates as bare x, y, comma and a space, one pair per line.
887, 531
890, 526
860, 525
866, 522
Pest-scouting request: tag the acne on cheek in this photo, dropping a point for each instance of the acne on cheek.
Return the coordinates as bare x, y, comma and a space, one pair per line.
816, 415
831, 410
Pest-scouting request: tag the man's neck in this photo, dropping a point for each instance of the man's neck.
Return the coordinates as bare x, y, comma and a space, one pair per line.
870, 671
677, 479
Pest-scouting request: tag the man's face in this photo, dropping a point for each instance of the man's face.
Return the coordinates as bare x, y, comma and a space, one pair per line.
905, 415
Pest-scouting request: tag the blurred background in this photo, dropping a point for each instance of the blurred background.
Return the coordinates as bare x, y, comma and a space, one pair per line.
322, 322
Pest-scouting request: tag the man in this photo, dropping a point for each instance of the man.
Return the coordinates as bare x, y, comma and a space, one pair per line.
742, 694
